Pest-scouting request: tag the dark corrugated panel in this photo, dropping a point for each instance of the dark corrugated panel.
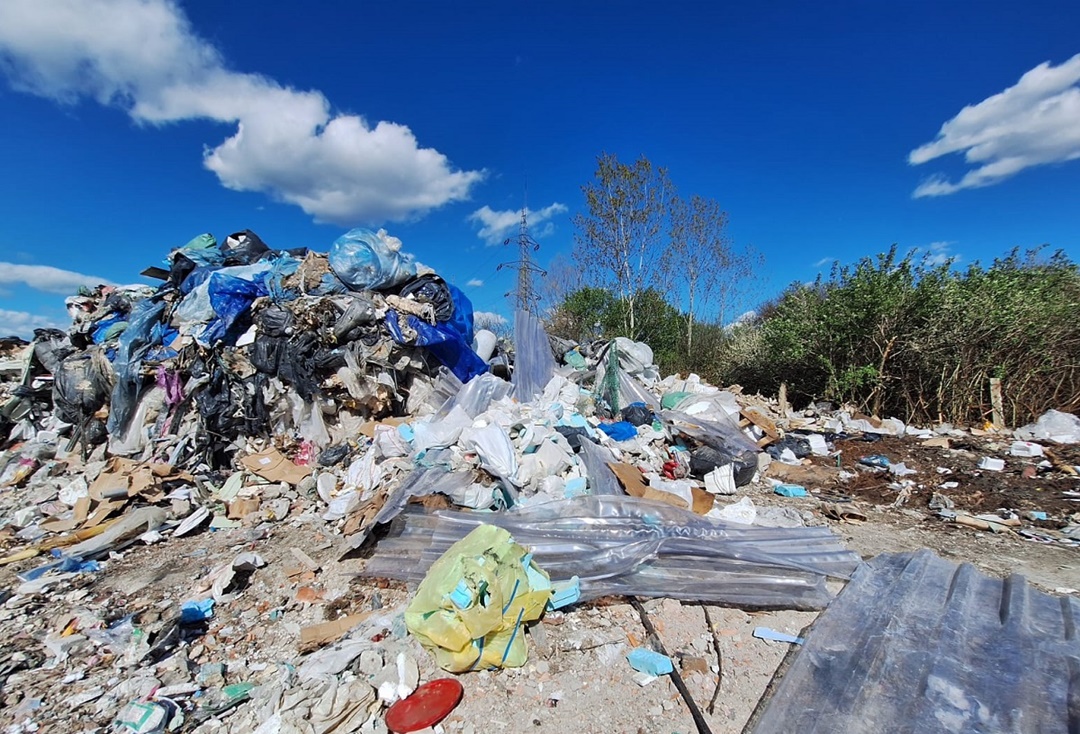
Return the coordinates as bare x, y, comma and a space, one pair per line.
918, 644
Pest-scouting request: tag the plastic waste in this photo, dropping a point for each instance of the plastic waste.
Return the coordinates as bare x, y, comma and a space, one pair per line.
534, 363
637, 414
645, 660
469, 609
620, 431
1053, 425
366, 260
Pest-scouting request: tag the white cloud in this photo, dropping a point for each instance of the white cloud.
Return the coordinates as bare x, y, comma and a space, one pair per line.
144, 57
1034, 122
21, 323
488, 319
824, 261
938, 253
475, 283
496, 226
47, 278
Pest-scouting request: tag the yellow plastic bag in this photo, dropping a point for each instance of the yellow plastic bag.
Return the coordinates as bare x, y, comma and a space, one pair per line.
470, 609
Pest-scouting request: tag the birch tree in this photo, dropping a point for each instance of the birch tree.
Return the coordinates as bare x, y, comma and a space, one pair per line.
711, 270
621, 241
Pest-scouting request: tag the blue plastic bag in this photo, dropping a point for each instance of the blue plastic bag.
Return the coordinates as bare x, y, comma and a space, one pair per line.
620, 430
448, 346
229, 297
366, 260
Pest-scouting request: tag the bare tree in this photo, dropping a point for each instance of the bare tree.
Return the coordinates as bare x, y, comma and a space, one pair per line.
621, 238
711, 270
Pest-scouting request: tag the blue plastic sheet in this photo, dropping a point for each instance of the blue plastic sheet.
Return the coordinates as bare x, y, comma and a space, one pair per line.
229, 297
446, 344
143, 332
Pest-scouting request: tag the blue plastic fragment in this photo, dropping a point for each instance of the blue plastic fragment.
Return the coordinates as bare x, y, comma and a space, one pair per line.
575, 487
644, 660
790, 490
461, 596
196, 611
876, 460
620, 430
565, 593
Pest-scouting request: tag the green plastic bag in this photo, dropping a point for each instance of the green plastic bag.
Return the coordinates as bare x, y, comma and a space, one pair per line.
470, 609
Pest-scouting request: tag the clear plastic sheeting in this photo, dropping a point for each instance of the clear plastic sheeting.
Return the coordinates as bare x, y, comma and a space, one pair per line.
916, 643
625, 545
534, 364
475, 396
600, 477
721, 434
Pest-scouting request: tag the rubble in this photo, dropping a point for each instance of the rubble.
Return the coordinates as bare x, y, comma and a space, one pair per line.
219, 496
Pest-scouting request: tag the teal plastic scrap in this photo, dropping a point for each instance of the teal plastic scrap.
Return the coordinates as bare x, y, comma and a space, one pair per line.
644, 660
565, 593
790, 490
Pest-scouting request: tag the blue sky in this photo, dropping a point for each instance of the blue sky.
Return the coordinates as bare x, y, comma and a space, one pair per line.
131, 126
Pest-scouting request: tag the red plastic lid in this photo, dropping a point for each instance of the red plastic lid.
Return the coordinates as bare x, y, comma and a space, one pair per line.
426, 706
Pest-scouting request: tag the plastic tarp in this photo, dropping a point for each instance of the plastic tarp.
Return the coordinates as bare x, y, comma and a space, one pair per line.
443, 341
916, 643
626, 545
143, 332
534, 364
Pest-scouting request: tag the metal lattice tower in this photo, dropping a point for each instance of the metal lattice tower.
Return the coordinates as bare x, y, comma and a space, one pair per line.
526, 298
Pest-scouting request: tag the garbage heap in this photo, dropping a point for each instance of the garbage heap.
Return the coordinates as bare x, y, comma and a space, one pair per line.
345, 396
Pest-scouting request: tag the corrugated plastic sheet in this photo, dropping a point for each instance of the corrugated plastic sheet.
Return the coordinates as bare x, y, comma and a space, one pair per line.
918, 644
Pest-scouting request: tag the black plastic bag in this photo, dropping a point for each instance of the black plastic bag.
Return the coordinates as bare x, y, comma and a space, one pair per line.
81, 385
431, 289
637, 414
275, 321
798, 446
704, 459
573, 435
243, 248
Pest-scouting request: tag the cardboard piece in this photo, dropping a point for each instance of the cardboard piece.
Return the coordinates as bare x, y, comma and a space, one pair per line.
368, 429
317, 635
78, 517
273, 466
634, 484
240, 508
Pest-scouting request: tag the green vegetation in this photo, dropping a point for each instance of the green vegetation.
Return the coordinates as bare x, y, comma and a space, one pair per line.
889, 335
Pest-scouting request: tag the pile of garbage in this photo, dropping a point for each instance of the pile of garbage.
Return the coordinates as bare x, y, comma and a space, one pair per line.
256, 389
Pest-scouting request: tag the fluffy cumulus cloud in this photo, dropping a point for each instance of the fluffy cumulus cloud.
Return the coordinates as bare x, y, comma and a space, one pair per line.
47, 278
496, 226
21, 323
144, 57
1034, 122
475, 283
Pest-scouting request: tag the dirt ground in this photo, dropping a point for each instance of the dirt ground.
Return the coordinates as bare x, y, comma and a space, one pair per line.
576, 679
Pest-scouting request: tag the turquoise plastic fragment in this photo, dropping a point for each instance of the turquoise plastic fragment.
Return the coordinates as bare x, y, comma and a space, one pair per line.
790, 490
565, 593
645, 660
461, 597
